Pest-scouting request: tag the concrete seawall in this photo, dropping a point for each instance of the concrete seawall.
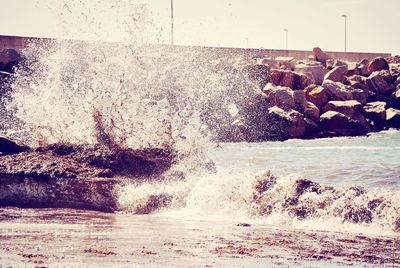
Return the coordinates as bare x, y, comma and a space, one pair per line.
18, 43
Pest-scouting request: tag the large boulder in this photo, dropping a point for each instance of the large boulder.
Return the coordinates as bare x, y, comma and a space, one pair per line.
313, 70
316, 95
378, 82
258, 73
378, 64
357, 82
280, 96
376, 111
289, 79
393, 118
336, 91
337, 74
320, 56
338, 124
284, 125
350, 108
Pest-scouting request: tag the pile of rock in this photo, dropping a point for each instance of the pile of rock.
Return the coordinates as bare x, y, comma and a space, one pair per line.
323, 97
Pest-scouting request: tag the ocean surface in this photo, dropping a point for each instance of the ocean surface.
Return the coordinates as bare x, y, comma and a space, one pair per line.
212, 227
372, 161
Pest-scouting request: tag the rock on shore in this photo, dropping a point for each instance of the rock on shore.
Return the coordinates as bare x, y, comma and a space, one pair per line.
75, 176
322, 97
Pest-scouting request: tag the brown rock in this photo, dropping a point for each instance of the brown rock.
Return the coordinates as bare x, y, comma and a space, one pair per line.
378, 64
313, 70
350, 108
284, 124
280, 96
337, 74
316, 95
320, 56
340, 124
289, 79
312, 112
336, 91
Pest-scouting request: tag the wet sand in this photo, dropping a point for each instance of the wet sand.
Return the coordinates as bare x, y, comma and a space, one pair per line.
66, 237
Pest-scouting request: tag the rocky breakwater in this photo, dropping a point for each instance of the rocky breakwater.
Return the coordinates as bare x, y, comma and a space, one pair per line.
74, 176
323, 97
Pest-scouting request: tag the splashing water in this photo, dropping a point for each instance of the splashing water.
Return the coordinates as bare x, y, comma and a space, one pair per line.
137, 95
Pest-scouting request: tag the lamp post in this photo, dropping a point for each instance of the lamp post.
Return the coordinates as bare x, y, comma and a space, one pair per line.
172, 22
345, 32
287, 39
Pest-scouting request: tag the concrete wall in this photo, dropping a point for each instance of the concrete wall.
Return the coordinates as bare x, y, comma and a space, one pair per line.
19, 43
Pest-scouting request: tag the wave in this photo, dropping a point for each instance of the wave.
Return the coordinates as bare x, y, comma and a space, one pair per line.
288, 200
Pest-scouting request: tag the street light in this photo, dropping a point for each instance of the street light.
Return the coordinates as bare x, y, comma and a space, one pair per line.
287, 38
345, 32
172, 22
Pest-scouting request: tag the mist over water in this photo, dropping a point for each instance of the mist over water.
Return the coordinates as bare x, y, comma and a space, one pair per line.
140, 96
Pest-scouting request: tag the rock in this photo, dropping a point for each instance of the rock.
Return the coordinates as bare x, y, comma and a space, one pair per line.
76, 176
8, 146
378, 64
377, 83
363, 68
393, 118
300, 101
284, 125
337, 74
376, 111
313, 70
350, 108
316, 95
359, 95
320, 55
396, 95
311, 128
286, 62
282, 97
257, 73
357, 82
339, 124
336, 91
312, 112
289, 79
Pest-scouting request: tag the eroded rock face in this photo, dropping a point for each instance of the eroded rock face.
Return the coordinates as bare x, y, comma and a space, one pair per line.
76, 176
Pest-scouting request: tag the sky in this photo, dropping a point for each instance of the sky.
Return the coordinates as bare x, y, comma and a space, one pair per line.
372, 26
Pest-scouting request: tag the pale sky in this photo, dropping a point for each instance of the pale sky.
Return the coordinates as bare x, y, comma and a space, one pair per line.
372, 26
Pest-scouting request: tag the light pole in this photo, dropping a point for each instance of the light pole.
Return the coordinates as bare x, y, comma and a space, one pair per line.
287, 39
345, 32
172, 22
